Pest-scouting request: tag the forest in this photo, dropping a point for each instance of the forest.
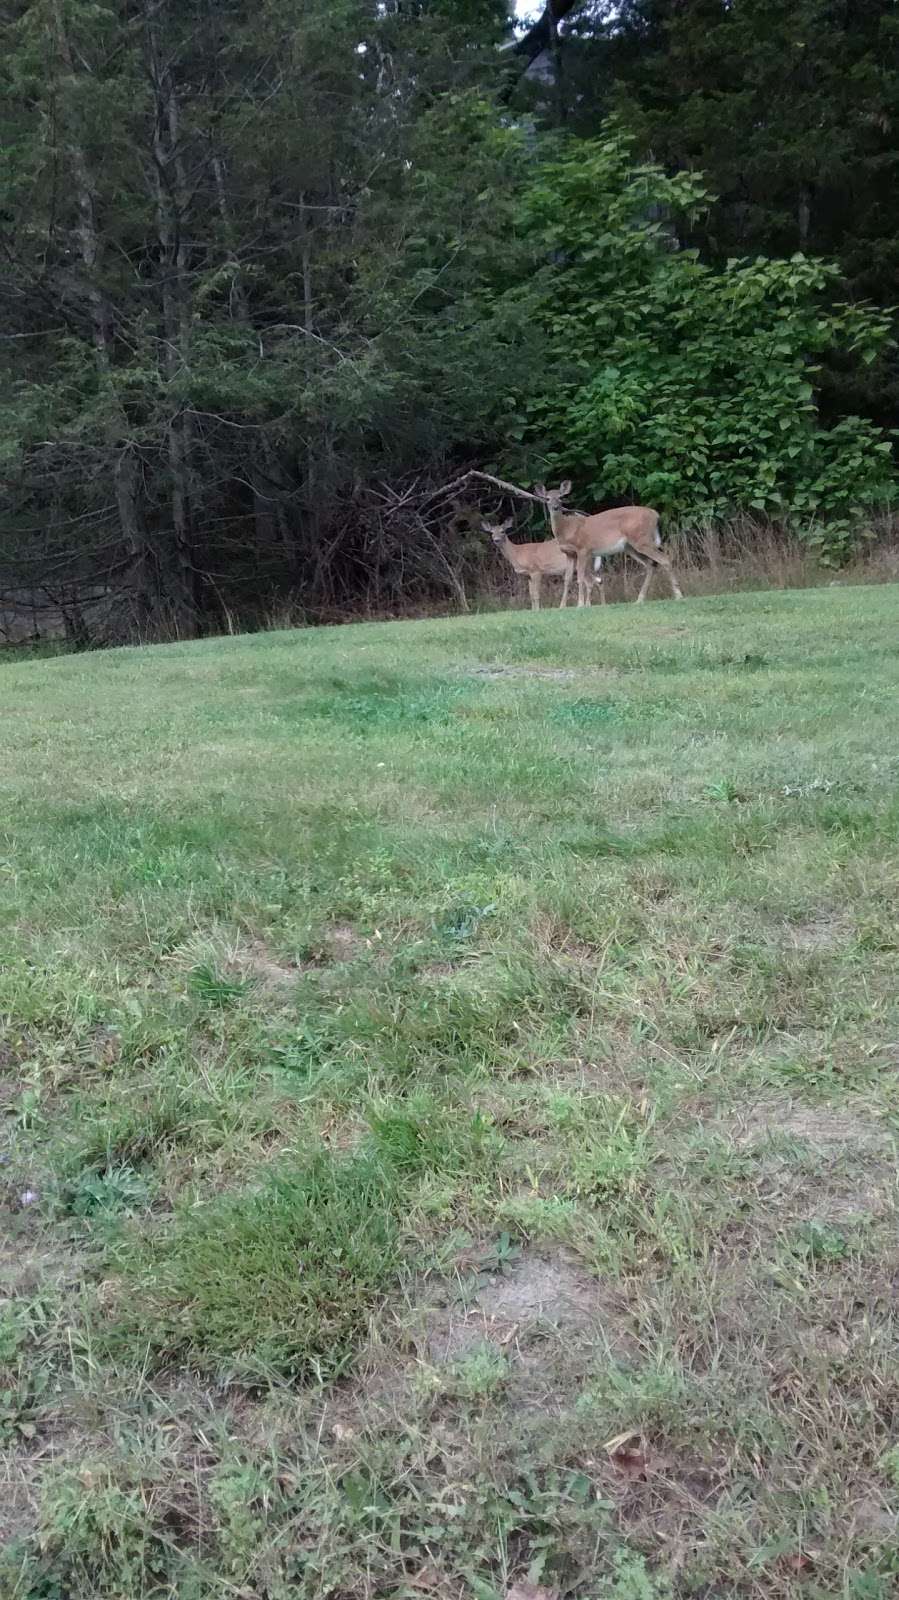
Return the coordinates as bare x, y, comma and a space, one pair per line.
273, 276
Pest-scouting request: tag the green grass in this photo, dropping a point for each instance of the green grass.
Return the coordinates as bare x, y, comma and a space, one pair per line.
278, 1281
449, 1076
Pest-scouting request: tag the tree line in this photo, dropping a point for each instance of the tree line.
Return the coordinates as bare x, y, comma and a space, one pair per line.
272, 274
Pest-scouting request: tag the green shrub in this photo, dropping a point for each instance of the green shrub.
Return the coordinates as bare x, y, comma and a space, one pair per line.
682, 385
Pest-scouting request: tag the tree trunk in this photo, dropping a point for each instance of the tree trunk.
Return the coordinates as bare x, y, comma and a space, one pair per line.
555, 50
124, 474
134, 533
313, 509
171, 208
268, 510
804, 215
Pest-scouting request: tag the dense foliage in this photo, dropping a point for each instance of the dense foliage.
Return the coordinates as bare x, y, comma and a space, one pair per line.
268, 265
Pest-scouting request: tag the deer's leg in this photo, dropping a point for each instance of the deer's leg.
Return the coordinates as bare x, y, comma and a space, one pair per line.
534, 586
653, 559
583, 583
649, 562
598, 577
663, 561
566, 583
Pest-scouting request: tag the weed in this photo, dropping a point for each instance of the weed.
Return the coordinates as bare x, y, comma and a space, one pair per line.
632, 1580
118, 1190
213, 988
97, 1529
241, 1495
480, 1374
819, 1242
723, 789
500, 1255
461, 922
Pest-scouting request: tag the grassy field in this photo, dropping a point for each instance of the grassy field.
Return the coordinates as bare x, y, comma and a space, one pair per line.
450, 1088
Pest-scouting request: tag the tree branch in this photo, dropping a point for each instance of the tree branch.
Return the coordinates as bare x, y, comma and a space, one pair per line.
539, 36
486, 477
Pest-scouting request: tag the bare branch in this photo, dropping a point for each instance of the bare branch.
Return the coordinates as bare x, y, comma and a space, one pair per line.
486, 477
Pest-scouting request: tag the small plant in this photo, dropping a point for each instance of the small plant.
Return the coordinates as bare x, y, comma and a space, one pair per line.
818, 1241
501, 1255
461, 922
589, 713
116, 1192
889, 1466
723, 789
13, 1333
97, 1530
20, 1402
481, 1373
24, 1380
633, 1580
241, 1497
610, 1164
210, 986
29, 1113
428, 1138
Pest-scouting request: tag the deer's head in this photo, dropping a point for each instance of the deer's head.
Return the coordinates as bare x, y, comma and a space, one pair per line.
498, 531
553, 497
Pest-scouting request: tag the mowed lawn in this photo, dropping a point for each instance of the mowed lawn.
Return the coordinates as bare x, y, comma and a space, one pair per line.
449, 1076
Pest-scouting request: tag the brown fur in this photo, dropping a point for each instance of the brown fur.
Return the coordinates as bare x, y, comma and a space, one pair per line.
543, 559
633, 528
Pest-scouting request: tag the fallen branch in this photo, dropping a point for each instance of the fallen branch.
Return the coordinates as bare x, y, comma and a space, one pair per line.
486, 477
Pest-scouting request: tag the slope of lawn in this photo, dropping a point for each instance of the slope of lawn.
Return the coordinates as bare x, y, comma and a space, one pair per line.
449, 1089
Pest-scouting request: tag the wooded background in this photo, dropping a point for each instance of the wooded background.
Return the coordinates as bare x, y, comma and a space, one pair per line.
273, 273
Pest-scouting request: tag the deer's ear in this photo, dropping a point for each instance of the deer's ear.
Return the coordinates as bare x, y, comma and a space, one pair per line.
565, 487
509, 523
540, 489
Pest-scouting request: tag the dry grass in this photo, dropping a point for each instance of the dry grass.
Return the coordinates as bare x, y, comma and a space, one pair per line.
721, 559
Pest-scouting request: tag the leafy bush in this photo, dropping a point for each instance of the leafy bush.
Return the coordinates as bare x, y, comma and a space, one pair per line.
686, 387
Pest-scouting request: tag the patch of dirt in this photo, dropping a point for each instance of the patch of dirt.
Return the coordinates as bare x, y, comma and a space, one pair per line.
821, 932
873, 1517
577, 950
344, 942
27, 1268
256, 961
103, 1046
340, 943
853, 1203
13, 1054
10, 1089
822, 1126
439, 970
538, 1295
847, 1176
843, 1195
564, 674
18, 1508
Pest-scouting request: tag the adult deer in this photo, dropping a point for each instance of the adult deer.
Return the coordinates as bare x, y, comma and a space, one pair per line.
633, 528
538, 561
